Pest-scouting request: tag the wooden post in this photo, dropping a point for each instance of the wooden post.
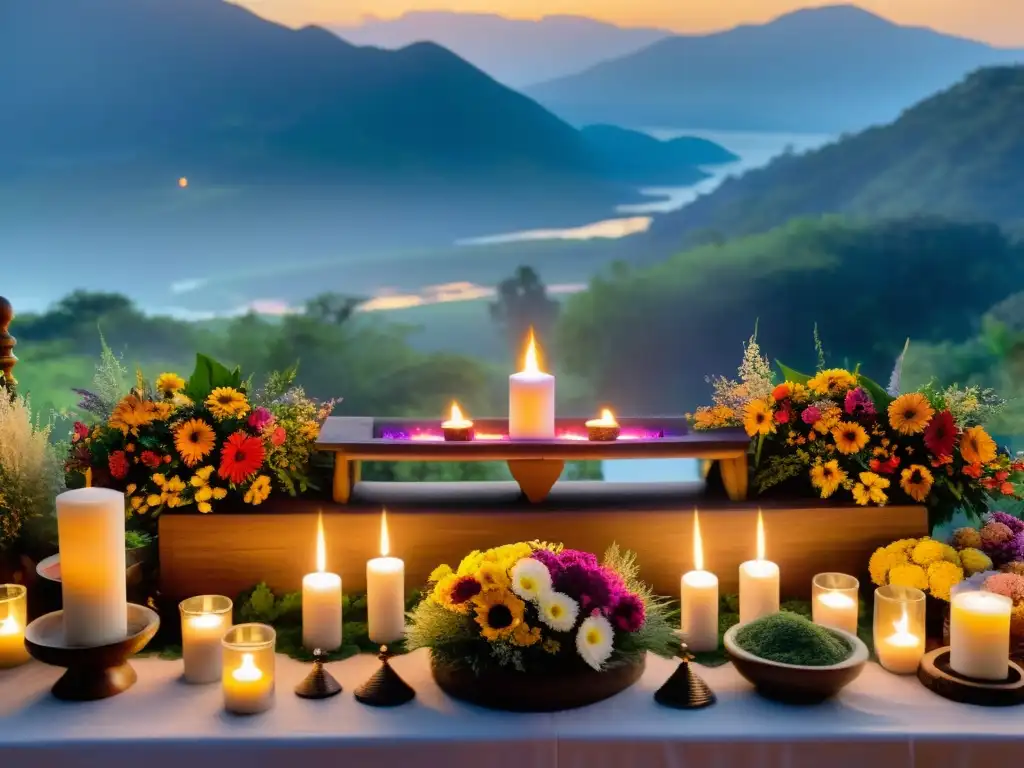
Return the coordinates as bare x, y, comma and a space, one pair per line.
7, 342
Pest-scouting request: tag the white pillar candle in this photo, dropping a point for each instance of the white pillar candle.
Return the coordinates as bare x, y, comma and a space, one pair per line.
979, 635
321, 601
385, 593
901, 652
699, 598
759, 583
90, 529
531, 400
204, 621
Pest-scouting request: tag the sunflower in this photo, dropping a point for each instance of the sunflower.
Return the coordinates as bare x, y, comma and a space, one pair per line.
493, 576
194, 440
850, 437
133, 412
827, 477
757, 418
977, 447
241, 457
916, 481
226, 403
832, 382
169, 383
258, 491
909, 414
498, 612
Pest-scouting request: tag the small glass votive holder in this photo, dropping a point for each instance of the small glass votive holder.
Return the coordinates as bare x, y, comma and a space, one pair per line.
899, 628
248, 668
13, 618
834, 601
205, 619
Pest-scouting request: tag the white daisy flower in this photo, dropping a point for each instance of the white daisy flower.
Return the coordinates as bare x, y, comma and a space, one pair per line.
559, 611
594, 641
530, 579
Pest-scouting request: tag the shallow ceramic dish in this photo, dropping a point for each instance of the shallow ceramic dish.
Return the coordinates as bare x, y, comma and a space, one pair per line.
794, 683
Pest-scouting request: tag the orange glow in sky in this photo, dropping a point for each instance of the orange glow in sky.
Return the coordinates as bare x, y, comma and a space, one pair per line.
1000, 22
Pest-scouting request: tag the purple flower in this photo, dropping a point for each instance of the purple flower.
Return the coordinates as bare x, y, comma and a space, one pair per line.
1007, 551
260, 419
629, 613
858, 403
579, 575
1009, 521
811, 414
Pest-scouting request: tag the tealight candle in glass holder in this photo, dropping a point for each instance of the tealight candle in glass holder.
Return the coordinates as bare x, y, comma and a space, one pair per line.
834, 601
899, 628
248, 668
13, 617
204, 621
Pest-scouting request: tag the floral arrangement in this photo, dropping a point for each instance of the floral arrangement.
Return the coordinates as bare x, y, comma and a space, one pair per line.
538, 607
926, 564
31, 470
198, 442
837, 433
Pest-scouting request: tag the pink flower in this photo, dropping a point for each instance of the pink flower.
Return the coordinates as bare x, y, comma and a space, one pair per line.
260, 419
811, 414
1007, 584
81, 432
279, 436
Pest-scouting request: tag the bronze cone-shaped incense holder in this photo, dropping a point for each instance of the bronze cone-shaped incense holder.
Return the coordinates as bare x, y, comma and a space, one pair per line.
385, 688
319, 683
685, 689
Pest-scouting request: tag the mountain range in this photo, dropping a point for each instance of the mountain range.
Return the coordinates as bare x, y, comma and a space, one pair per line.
958, 154
830, 70
513, 51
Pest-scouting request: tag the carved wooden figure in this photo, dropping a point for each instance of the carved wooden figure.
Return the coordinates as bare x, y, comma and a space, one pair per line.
7, 342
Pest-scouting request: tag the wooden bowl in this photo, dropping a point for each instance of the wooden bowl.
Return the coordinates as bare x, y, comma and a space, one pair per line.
514, 691
92, 673
794, 683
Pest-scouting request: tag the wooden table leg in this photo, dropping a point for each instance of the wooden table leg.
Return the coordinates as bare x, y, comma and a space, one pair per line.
734, 477
536, 477
343, 478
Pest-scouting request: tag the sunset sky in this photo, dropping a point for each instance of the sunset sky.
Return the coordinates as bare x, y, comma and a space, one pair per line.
1000, 22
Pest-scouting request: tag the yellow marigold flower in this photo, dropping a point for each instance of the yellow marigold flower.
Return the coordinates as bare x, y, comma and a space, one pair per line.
850, 437
950, 555
525, 636
441, 572
903, 547
882, 560
757, 418
470, 563
220, 493
153, 500
714, 417
204, 494
310, 430
204, 507
909, 414
827, 477
498, 612
169, 383
941, 578
258, 492
830, 418
226, 403
834, 381
974, 561
927, 552
136, 502
977, 447
908, 576
798, 392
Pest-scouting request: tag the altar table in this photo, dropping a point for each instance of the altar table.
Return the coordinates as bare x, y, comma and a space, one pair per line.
880, 721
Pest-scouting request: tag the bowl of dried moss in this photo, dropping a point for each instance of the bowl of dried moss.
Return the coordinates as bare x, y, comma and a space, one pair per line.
789, 658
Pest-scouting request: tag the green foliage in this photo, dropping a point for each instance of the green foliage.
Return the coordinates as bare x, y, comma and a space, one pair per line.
137, 539
208, 376
791, 639
790, 375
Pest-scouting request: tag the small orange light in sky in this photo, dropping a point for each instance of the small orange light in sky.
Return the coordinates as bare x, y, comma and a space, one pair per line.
182, 182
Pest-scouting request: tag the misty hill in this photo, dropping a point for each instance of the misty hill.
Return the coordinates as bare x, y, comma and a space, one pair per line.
830, 69
958, 154
640, 158
516, 52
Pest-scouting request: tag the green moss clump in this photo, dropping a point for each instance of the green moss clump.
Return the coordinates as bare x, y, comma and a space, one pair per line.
791, 639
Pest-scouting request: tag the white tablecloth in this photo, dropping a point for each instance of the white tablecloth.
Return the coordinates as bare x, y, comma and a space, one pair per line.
880, 721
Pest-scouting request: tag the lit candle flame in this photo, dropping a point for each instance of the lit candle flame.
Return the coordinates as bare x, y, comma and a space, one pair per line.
385, 542
248, 672
760, 536
9, 626
457, 413
698, 544
902, 626
321, 545
530, 362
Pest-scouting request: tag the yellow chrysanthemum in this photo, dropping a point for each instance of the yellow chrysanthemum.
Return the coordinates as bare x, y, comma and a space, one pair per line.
850, 437
524, 636
493, 576
194, 439
827, 477
757, 418
882, 560
974, 561
133, 412
498, 612
310, 430
977, 447
942, 576
903, 547
226, 403
441, 572
950, 555
928, 551
798, 393
169, 383
470, 563
258, 492
916, 481
909, 414
834, 381
908, 576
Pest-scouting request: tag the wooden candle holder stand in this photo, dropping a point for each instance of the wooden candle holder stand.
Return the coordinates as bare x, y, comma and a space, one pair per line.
937, 676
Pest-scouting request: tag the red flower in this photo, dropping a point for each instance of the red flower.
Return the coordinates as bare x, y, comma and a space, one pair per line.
940, 434
81, 431
151, 459
1006, 489
118, 464
783, 415
989, 482
241, 457
886, 467
1002, 475
973, 470
279, 436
